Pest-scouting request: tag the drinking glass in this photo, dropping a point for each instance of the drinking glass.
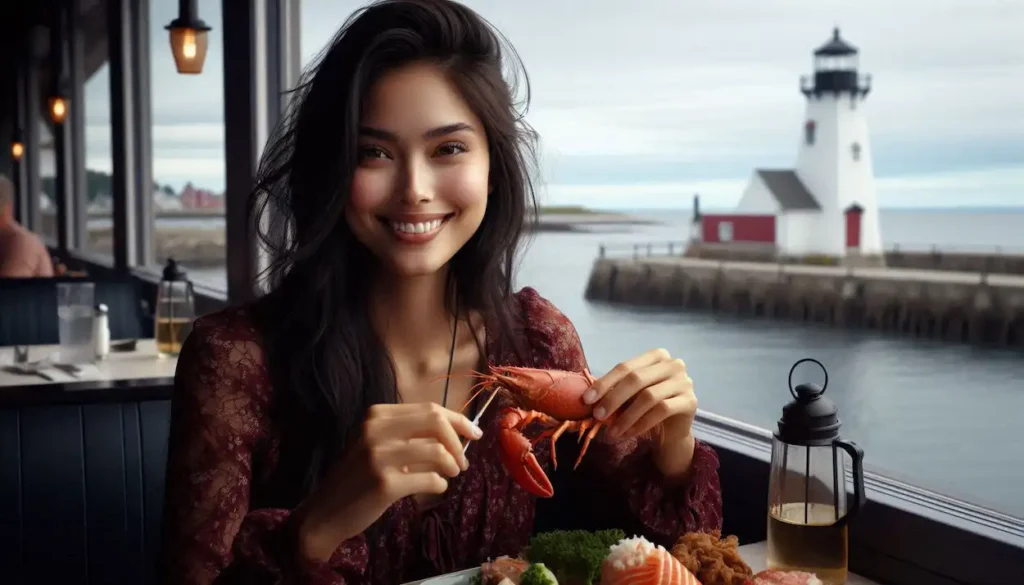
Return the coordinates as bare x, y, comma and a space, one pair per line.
74, 317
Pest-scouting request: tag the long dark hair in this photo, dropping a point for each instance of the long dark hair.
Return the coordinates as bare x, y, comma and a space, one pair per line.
324, 356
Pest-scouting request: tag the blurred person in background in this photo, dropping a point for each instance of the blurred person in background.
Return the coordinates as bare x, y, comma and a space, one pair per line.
22, 253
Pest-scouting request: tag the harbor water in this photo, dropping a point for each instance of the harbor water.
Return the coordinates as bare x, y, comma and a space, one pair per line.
940, 416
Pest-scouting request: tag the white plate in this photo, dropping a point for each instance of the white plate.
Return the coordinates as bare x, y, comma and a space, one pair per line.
459, 578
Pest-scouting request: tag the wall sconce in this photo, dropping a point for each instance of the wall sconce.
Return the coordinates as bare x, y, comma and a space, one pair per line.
58, 104
188, 38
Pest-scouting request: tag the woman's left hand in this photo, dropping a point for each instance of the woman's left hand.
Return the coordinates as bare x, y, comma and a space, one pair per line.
651, 391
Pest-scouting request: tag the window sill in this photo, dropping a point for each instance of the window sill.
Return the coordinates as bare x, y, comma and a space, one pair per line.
905, 534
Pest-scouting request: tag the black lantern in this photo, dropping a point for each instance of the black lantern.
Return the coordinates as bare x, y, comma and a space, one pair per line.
175, 309
807, 499
189, 36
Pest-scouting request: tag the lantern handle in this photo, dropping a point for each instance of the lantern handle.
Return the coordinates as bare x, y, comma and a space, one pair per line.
792, 390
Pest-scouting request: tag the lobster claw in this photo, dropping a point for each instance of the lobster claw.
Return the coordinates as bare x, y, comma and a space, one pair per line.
520, 462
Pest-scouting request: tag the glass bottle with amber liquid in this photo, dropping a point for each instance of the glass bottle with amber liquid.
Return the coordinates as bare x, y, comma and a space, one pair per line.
175, 309
808, 511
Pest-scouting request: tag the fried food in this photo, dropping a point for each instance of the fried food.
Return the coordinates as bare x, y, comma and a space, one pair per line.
713, 559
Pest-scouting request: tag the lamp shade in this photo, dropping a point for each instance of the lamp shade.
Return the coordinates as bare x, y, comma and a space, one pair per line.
17, 150
189, 39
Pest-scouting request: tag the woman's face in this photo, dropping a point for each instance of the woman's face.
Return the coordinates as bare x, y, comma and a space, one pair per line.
420, 189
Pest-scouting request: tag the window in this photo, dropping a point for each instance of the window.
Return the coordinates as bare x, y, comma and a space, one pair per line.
47, 181
188, 151
725, 231
616, 138
98, 165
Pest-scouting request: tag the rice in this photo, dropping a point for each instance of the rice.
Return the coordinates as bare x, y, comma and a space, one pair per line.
631, 552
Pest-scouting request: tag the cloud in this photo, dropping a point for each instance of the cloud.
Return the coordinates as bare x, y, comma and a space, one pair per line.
675, 94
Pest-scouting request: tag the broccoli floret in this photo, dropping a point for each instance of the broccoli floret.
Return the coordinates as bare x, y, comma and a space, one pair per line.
574, 556
476, 579
537, 574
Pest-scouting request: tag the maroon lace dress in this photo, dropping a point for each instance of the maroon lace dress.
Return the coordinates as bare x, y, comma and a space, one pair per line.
224, 446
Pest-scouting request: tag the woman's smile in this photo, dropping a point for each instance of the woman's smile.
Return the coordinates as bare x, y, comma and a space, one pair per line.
416, 228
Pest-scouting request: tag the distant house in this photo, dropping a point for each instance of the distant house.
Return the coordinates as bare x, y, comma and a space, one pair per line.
192, 198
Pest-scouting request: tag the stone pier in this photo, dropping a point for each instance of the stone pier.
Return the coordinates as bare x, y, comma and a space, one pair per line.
954, 306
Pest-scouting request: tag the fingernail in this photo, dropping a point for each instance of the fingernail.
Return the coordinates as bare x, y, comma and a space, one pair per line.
589, 396
600, 412
613, 432
477, 432
465, 463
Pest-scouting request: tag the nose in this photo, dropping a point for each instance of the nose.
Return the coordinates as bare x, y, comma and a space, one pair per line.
417, 185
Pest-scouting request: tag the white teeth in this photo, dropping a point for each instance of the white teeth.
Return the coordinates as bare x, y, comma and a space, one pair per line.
416, 228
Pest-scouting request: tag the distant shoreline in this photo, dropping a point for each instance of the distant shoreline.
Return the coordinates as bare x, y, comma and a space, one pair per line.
580, 214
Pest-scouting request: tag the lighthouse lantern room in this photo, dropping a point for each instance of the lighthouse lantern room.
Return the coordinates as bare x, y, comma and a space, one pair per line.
826, 205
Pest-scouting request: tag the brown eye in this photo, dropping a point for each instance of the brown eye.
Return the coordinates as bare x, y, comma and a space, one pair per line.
451, 148
372, 152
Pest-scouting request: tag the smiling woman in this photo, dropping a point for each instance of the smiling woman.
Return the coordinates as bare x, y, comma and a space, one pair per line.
315, 435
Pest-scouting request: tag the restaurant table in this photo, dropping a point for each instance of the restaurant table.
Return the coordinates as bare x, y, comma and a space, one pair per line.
755, 555
119, 376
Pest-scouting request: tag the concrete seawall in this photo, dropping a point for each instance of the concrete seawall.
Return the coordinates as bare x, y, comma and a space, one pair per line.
995, 261
954, 306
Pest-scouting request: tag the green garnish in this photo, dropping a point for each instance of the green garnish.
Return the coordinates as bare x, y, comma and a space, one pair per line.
537, 574
574, 556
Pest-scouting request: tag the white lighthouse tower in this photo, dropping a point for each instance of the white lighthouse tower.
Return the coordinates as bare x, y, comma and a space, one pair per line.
834, 160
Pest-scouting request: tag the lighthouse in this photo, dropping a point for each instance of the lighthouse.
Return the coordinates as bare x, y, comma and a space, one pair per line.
825, 206
834, 157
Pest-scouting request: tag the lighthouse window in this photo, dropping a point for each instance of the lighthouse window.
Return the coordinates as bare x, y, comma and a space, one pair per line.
856, 150
725, 231
809, 132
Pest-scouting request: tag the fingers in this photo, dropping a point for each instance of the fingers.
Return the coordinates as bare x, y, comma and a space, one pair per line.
416, 456
634, 382
679, 408
649, 399
423, 421
398, 484
616, 375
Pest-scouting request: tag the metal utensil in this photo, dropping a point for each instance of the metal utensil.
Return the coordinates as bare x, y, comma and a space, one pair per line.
479, 415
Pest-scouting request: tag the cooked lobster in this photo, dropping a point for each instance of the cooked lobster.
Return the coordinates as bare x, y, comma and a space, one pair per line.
552, 398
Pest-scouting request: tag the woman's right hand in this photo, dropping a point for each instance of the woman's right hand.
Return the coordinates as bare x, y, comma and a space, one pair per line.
405, 449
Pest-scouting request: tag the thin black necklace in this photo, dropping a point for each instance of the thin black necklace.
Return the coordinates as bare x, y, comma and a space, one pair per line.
451, 359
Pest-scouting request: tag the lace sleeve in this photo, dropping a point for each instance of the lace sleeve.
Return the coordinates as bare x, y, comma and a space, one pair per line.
624, 472
219, 409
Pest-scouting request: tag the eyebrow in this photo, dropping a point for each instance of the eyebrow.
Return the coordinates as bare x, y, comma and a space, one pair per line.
429, 134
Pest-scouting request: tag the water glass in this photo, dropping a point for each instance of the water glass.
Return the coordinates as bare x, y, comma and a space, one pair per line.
74, 315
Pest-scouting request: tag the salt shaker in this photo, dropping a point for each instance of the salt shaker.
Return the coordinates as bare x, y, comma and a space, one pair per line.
101, 331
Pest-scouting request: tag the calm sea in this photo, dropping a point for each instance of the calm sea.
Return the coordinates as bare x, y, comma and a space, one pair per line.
940, 416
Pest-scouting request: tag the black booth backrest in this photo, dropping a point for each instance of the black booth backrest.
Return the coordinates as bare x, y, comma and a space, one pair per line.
28, 309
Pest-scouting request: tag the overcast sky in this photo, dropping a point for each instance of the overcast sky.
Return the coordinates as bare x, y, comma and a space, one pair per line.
644, 103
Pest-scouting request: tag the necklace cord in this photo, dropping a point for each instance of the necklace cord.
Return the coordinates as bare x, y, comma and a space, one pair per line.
451, 357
